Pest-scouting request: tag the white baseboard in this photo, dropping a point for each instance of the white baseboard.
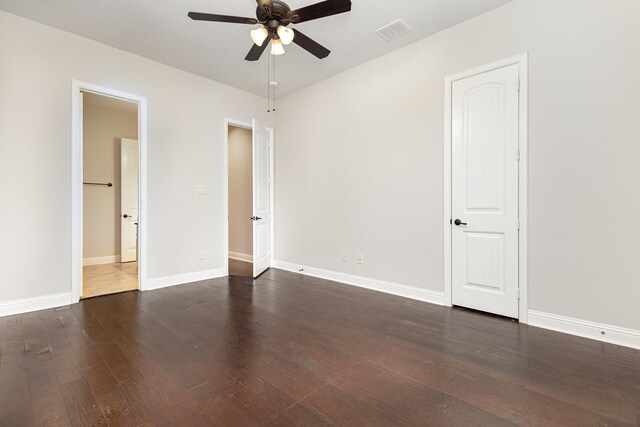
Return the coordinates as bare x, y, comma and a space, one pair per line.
584, 328
181, 279
101, 260
34, 304
240, 256
412, 292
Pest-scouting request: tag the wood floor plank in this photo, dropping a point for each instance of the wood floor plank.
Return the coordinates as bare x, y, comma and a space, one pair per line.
47, 402
81, 404
522, 405
15, 397
258, 398
287, 349
411, 402
298, 415
346, 409
118, 410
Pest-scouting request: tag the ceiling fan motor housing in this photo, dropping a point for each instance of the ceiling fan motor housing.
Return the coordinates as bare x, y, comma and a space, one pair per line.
279, 12
272, 25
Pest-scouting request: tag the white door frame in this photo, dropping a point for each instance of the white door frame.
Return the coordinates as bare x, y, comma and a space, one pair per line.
522, 61
77, 87
225, 252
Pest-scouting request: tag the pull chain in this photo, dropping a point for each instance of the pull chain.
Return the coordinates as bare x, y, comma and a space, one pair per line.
274, 84
268, 84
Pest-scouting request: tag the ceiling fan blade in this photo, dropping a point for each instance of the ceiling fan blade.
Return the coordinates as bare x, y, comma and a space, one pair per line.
256, 51
310, 45
266, 5
197, 16
319, 10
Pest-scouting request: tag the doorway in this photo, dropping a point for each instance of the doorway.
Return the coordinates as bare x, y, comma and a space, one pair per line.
249, 187
240, 190
110, 195
109, 191
485, 188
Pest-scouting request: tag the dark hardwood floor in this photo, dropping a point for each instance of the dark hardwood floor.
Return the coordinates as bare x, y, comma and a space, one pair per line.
295, 350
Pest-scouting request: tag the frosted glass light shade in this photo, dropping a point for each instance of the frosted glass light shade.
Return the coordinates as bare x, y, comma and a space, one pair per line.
259, 35
276, 47
285, 34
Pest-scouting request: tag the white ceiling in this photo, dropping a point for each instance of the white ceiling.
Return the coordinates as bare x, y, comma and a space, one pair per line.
160, 30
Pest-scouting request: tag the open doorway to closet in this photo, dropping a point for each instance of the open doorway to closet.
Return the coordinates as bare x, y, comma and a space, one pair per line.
110, 170
240, 190
249, 161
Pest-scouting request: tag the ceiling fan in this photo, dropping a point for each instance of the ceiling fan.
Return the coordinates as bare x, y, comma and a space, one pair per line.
275, 16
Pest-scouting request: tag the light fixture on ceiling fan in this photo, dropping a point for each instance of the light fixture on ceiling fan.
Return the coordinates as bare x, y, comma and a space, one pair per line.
275, 16
285, 35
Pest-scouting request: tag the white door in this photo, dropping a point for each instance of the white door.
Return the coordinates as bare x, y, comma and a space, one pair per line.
484, 199
128, 200
261, 200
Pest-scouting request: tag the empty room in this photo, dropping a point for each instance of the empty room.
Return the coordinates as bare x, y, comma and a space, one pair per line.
334, 213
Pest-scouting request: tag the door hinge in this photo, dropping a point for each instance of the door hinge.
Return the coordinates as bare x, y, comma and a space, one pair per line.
518, 155
269, 180
518, 85
518, 293
518, 224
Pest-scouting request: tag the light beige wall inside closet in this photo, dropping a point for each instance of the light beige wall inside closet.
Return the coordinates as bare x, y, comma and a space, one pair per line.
240, 192
103, 127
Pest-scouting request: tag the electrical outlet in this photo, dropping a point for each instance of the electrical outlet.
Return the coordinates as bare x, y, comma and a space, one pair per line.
203, 255
360, 259
345, 257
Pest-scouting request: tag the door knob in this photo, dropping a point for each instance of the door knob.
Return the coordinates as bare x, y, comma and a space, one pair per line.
458, 222
125, 216
256, 218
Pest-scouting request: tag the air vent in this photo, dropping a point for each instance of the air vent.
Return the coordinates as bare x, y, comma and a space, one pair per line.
393, 30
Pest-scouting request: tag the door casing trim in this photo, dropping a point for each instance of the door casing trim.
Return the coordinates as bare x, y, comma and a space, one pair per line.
77, 87
523, 115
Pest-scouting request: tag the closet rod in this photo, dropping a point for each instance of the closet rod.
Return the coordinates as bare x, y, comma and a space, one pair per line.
108, 184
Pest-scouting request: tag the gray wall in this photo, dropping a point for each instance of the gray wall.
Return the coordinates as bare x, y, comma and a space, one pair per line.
360, 157
185, 148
